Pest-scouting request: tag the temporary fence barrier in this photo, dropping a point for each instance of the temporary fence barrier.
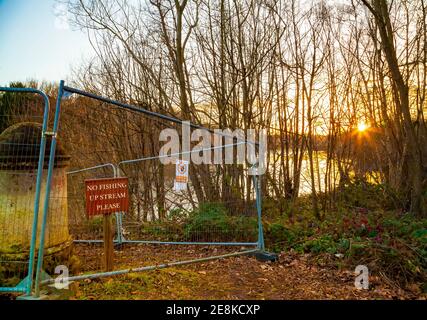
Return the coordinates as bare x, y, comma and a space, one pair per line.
220, 205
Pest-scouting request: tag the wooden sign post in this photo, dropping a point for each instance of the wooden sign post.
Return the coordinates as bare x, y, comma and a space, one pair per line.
105, 197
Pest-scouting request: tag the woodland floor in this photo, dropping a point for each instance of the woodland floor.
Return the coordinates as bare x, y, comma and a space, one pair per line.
294, 276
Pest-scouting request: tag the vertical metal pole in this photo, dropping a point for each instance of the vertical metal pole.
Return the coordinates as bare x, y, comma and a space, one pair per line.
120, 228
37, 198
108, 243
118, 214
257, 180
119, 236
48, 187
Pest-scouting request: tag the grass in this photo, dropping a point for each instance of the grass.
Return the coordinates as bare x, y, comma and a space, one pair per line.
141, 285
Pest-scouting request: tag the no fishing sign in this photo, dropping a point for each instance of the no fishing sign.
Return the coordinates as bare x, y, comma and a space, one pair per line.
106, 196
181, 175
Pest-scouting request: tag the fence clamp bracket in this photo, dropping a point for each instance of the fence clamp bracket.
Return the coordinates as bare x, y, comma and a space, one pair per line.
49, 134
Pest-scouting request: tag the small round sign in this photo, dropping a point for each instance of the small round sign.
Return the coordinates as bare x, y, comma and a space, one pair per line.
182, 168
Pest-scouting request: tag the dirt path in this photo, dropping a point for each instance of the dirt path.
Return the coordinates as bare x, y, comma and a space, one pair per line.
293, 277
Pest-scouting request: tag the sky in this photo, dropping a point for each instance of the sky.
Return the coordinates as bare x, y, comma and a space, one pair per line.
36, 43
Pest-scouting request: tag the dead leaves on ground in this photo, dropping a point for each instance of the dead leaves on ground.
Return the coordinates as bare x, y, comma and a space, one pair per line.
242, 277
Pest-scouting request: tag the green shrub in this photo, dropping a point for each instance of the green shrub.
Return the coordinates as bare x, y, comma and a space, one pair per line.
322, 244
162, 231
209, 216
278, 237
384, 240
177, 215
212, 222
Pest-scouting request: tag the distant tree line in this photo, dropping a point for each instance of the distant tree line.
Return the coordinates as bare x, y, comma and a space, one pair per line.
307, 72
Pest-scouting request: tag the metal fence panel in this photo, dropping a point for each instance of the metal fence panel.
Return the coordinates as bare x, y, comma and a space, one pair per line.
23, 124
218, 207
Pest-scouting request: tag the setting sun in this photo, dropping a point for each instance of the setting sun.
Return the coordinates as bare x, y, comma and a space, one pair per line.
362, 126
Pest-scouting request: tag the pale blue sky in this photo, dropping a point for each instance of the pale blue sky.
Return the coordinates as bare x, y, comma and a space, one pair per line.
35, 44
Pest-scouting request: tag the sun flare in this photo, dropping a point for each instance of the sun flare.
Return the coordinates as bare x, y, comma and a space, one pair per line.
361, 127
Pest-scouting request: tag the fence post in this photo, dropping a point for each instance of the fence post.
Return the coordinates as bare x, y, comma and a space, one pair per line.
108, 243
53, 134
119, 215
37, 196
256, 179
